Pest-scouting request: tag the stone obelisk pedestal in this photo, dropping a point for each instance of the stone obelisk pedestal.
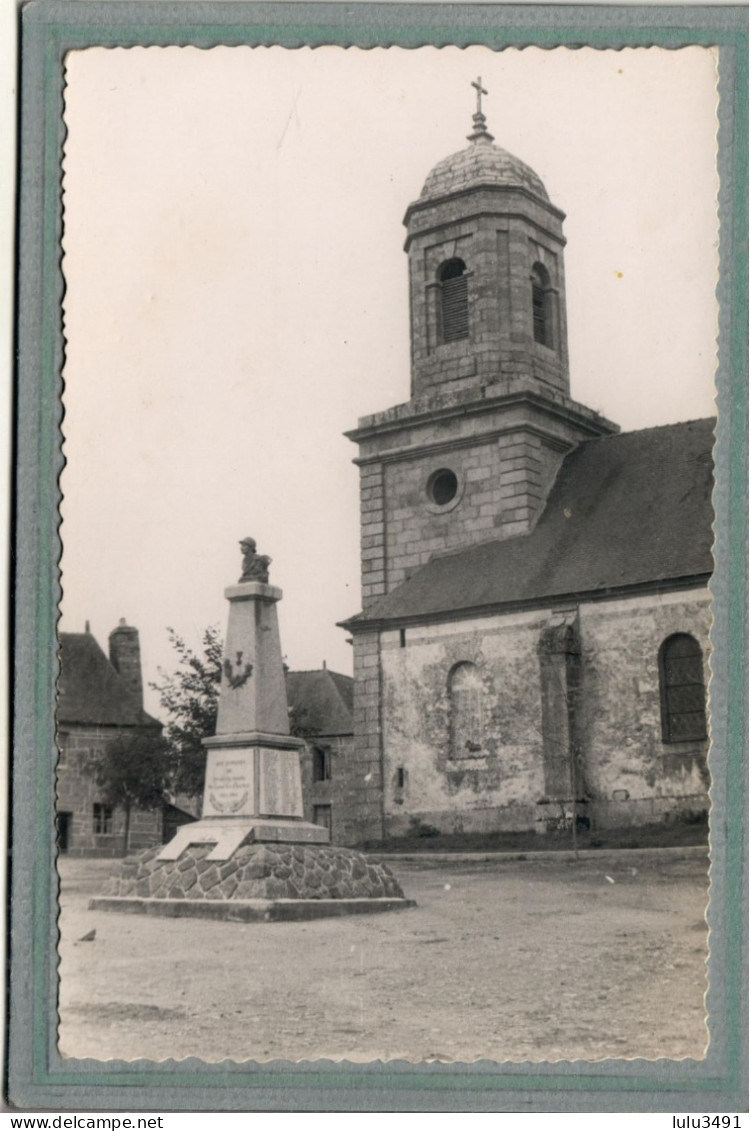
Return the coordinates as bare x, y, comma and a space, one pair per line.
252, 856
253, 788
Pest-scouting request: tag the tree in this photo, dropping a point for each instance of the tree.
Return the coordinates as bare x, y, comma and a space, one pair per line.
190, 698
133, 771
299, 725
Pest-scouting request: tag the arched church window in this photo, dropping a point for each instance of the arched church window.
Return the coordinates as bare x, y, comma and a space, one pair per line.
454, 301
542, 306
682, 694
466, 715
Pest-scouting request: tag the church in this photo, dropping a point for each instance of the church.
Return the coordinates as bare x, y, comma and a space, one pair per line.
533, 643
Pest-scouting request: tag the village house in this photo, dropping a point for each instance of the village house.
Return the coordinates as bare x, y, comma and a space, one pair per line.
99, 700
320, 705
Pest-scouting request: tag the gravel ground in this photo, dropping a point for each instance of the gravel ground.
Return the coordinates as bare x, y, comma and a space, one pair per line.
522, 960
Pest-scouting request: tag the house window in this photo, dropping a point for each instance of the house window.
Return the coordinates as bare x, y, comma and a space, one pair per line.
542, 306
682, 694
322, 816
102, 819
321, 763
454, 301
465, 711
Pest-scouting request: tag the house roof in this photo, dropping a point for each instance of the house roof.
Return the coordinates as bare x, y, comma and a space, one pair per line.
182, 803
626, 510
90, 691
322, 700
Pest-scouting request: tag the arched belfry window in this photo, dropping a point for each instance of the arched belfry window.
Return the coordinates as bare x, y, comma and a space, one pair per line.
682, 695
466, 715
542, 306
453, 305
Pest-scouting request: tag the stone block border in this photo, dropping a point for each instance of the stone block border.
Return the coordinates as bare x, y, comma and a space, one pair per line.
250, 910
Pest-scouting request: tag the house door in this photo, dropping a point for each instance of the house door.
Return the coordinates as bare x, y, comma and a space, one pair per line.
63, 822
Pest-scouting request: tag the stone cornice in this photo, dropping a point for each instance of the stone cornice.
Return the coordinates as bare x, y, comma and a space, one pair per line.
380, 423
421, 205
481, 215
416, 451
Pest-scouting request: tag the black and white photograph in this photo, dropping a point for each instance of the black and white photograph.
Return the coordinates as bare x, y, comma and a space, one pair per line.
384, 712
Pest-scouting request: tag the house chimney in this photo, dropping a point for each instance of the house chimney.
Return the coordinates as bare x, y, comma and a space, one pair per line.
125, 657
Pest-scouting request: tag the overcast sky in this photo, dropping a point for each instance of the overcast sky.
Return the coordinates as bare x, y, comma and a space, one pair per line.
236, 294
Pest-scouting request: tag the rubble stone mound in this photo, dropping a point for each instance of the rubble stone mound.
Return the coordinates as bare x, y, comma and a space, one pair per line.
255, 871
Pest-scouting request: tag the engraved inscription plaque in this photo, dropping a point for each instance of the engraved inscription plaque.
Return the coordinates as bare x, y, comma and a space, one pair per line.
229, 783
280, 784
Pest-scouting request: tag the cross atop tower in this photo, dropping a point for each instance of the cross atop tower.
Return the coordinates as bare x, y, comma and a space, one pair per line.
479, 126
480, 91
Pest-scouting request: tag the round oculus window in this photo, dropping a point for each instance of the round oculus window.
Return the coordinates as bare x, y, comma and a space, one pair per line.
442, 487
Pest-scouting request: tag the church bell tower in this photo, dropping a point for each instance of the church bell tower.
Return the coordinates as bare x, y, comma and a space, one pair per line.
473, 453
487, 289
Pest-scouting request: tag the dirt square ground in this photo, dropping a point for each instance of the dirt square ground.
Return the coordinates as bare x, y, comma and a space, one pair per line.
514, 959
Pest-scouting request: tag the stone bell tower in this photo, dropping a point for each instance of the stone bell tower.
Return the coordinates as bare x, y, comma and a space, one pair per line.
472, 455
487, 289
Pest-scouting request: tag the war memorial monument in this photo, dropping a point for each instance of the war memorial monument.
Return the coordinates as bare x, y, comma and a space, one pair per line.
252, 856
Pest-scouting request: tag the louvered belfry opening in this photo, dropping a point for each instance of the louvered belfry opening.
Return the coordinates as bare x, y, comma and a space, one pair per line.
541, 314
538, 312
454, 301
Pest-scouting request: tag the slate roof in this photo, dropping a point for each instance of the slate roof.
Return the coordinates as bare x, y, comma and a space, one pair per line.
90, 691
628, 510
323, 700
481, 163
182, 803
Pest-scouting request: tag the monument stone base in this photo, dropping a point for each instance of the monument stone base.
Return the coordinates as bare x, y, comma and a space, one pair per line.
248, 910
226, 834
261, 881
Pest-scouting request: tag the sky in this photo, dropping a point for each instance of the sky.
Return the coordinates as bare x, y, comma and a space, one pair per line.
236, 295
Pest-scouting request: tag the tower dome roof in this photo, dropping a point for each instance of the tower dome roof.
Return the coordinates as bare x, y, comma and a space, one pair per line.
481, 163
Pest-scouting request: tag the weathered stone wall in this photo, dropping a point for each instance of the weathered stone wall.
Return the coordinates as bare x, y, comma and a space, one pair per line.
494, 788
632, 776
361, 814
372, 533
77, 794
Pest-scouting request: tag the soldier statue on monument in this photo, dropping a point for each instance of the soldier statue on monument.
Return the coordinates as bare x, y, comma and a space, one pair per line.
255, 566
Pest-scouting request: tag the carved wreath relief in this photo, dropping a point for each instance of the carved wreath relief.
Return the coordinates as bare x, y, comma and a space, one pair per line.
236, 678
